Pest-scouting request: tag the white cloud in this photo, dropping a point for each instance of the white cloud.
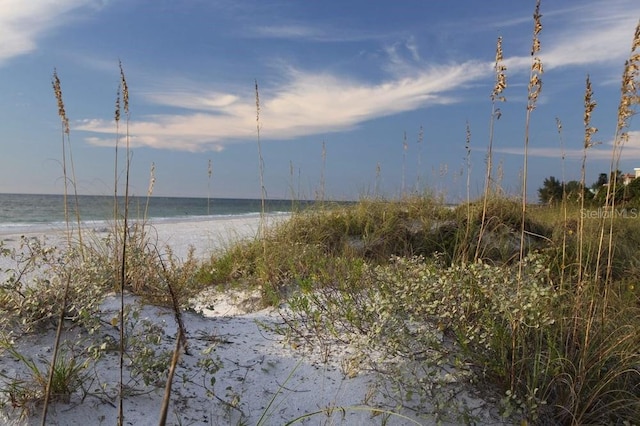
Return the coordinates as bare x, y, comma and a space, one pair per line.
404, 57
211, 101
306, 31
630, 150
307, 104
288, 31
23, 22
602, 33
599, 33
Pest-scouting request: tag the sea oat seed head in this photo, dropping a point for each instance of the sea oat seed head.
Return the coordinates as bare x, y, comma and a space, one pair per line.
535, 83
589, 106
257, 101
117, 115
499, 49
501, 77
537, 27
629, 89
152, 179
636, 38
57, 90
535, 87
468, 138
125, 89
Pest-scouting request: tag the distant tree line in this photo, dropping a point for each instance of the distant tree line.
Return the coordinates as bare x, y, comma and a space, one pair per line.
553, 191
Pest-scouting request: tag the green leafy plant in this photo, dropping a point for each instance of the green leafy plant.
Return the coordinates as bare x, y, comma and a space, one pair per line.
27, 388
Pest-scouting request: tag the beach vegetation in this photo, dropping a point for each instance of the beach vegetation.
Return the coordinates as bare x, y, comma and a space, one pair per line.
533, 306
69, 376
412, 298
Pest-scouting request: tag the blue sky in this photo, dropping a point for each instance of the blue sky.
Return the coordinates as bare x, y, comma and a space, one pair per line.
352, 75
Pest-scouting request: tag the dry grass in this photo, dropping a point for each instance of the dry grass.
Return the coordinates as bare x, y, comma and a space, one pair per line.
566, 352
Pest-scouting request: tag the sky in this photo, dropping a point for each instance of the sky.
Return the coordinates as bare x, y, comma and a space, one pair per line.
357, 98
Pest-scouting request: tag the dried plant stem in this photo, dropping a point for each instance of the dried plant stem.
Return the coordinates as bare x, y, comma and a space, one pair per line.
75, 196
467, 231
263, 191
54, 356
166, 399
377, 182
65, 135
65, 129
66, 151
181, 342
629, 100
291, 186
125, 225
564, 203
534, 88
496, 96
209, 173
419, 175
152, 182
405, 147
115, 175
322, 172
589, 131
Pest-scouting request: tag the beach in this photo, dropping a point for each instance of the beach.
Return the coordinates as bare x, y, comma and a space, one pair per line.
242, 367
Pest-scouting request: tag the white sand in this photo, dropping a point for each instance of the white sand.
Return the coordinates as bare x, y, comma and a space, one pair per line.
263, 378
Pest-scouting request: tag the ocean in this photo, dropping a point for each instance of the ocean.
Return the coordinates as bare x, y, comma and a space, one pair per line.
36, 213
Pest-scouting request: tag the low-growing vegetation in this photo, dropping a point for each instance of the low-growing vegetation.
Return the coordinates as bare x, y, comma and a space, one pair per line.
554, 347
533, 306
394, 279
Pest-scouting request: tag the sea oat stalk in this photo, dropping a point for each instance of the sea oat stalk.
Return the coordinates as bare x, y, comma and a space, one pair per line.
589, 131
152, 183
419, 176
534, 89
123, 265
564, 203
263, 190
57, 90
405, 147
66, 151
322, 172
209, 173
629, 100
496, 96
467, 146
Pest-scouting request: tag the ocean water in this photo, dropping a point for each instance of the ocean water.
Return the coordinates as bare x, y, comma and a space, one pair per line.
29, 212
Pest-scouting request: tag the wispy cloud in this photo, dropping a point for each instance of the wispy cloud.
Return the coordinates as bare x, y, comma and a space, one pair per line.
630, 151
310, 102
599, 33
306, 104
289, 31
306, 31
403, 57
22, 23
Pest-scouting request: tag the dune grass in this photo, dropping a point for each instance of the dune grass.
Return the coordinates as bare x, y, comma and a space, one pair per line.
536, 306
571, 361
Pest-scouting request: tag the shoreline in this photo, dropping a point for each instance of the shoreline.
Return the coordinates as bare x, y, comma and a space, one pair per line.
206, 234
